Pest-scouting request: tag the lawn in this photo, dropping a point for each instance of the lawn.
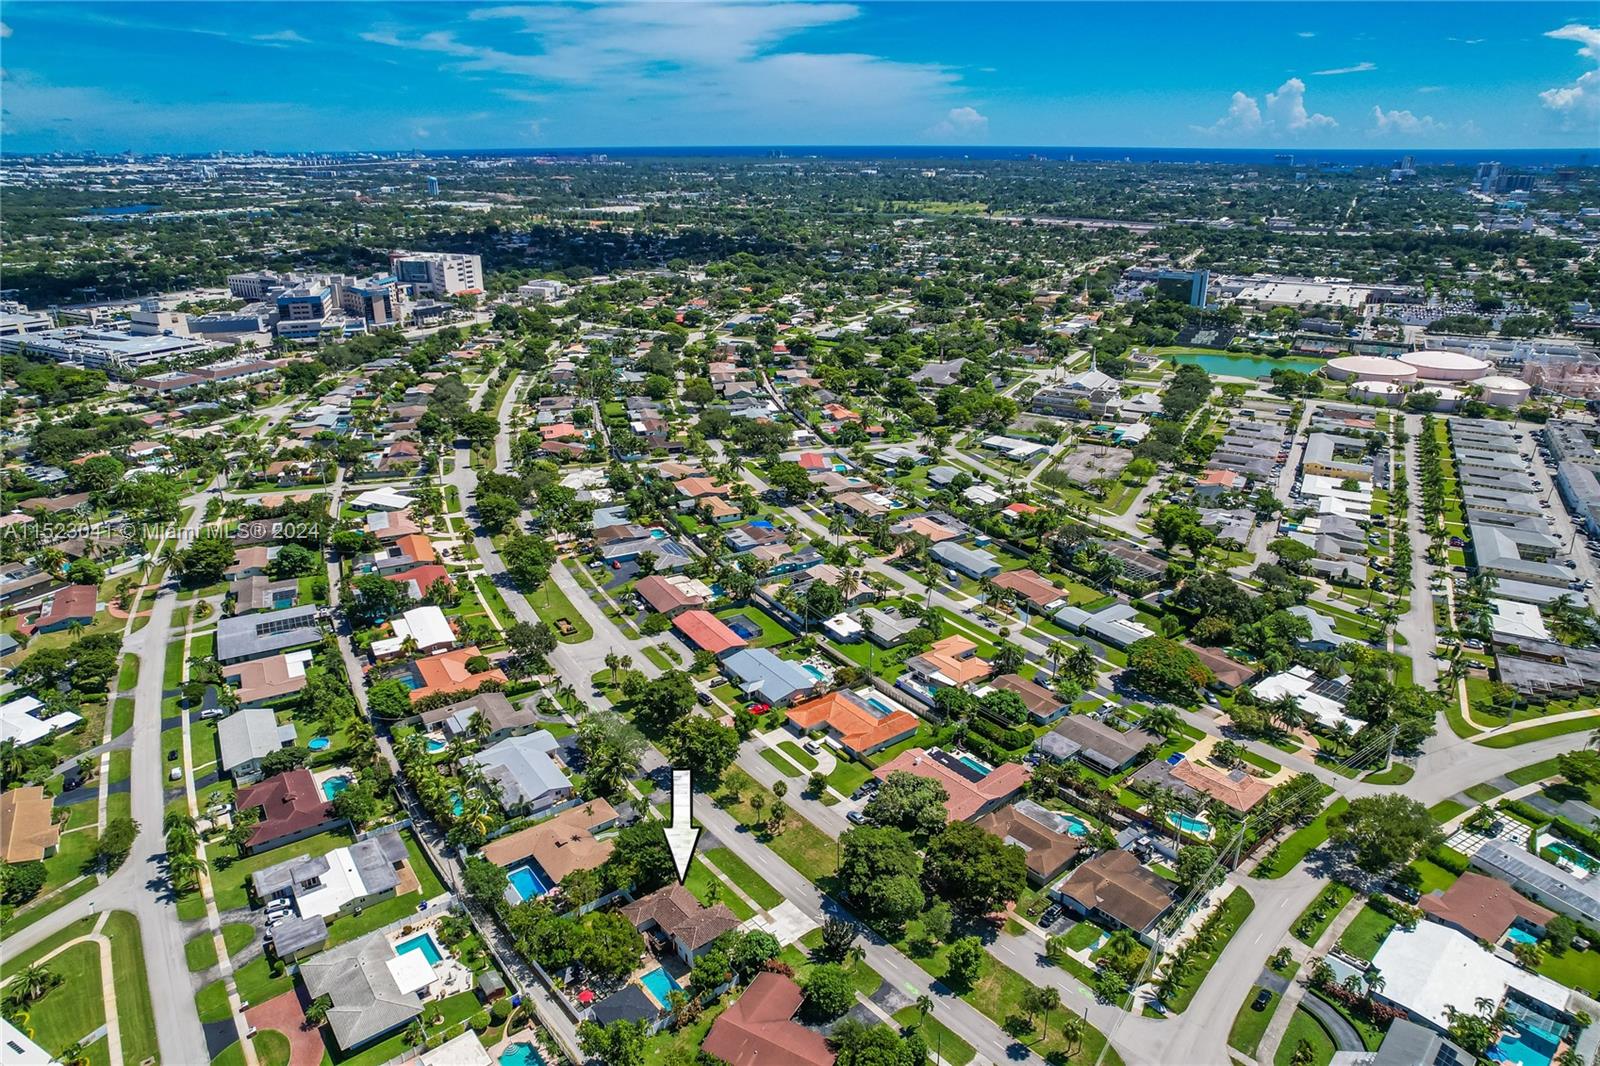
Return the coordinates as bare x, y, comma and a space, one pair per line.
1366, 934
1434, 877
1287, 855
940, 1040
74, 1008
750, 882
798, 754
1330, 901
787, 768
1229, 917
706, 887
1541, 732
201, 951
848, 775
1575, 969
552, 605
271, 1048
256, 983
1445, 810
773, 632
799, 843
1305, 1027
1250, 1025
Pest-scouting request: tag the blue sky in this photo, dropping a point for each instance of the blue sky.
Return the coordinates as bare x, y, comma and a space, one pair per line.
329, 76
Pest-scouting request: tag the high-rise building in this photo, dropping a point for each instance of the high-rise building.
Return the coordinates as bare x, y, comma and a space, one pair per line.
438, 273
433, 186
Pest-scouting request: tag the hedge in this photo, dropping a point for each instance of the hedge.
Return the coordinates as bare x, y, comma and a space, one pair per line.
1450, 859
1009, 738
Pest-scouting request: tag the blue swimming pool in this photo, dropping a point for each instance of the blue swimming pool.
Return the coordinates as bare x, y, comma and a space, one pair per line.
422, 942
456, 806
658, 534
335, 785
974, 765
1194, 826
528, 880
1076, 827
761, 523
743, 626
283, 598
435, 746
1518, 935
814, 671
1525, 1045
523, 1054
318, 743
659, 984
879, 706
409, 682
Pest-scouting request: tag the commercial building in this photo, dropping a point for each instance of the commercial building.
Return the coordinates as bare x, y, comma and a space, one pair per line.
104, 348
438, 273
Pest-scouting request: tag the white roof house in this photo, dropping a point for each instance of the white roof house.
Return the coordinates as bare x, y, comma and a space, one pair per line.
1433, 967
426, 625
1515, 622
19, 722
526, 772
20, 1050
1302, 683
382, 498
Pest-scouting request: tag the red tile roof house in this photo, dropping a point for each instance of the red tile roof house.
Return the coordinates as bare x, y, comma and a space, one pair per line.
1484, 908
968, 799
680, 919
292, 808
75, 603
419, 579
759, 1029
704, 631
665, 597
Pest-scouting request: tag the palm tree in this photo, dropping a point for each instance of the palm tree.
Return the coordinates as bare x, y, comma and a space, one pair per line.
1081, 665
185, 869
317, 1010
1072, 1032
32, 983
1048, 998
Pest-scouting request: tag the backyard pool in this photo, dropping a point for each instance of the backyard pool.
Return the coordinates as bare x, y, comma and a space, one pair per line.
1575, 856
1522, 1044
1198, 827
435, 746
878, 705
1518, 935
523, 1054
335, 785
528, 880
815, 671
659, 984
743, 626
283, 598
456, 806
1076, 826
318, 743
422, 942
974, 765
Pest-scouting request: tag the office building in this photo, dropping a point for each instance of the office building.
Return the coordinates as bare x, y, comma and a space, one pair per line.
438, 273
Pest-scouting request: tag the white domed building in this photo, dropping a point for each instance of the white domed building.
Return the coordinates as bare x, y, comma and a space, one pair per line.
1369, 368
1442, 365
1383, 393
1500, 391
1444, 397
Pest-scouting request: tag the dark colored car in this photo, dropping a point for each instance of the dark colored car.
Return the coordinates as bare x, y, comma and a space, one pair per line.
1051, 916
1263, 997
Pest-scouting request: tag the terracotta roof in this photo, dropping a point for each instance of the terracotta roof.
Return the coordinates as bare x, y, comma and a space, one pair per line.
694, 487
681, 916
858, 727
1238, 789
1115, 884
424, 576
1048, 851
264, 679
417, 546
290, 803
560, 845
1229, 671
1030, 586
967, 798
662, 595
27, 830
1483, 906
447, 672
75, 602
934, 531
759, 1030
706, 631
814, 461
955, 657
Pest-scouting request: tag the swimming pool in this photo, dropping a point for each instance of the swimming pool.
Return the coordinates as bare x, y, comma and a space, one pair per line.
814, 671
283, 598
743, 626
435, 746
658, 534
1522, 1044
974, 765
528, 880
1578, 858
1194, 826
318, 743
410, 682
1076, 827
521, 1055
1519, 935
659, 984
422, 942
878, 705
335, 785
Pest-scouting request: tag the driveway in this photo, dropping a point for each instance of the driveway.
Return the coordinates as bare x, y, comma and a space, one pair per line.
285, 1014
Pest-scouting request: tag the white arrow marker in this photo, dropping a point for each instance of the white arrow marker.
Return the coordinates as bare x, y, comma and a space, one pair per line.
682, 834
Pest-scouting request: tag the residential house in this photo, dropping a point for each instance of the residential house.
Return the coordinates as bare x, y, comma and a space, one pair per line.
765, 678
292, 807
704, 631
259, 682
247, 736
1238, 789
673, 594
255, 636
1114, 889
339, 882
531, 780
1485, 908
65, 608
949, 663
973, 562
1542, 881
1045, 835
1044, 706
1036, 595
451, 671
1097, 745
971, 793
861, 724
373, 991
28, 831
758, 1029
500, 716
560, 845
425, 629
678, 919
252, 594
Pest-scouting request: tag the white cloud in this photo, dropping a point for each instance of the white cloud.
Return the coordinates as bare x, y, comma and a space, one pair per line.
1430, 88
1403, 122
1286, 108
1305, 33
5, 30
1580, 101
1467, 40
1284, 112
281, 37
961, 123
1359, 68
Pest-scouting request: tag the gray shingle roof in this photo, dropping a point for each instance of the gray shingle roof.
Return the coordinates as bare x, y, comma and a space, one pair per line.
367, 1002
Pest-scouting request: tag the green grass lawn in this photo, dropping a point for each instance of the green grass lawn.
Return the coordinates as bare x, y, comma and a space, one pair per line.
1305, 1027
798, 754
940, 1040
552, 605
750, 882
787, 768
799, 843
1575, 969
848, 775
1445, 810
1298, 845
1249, 1026
73, 1009
773, 632
1434, 877
271, 1048
1541, 732
201, 951
256, 983
1234, 910
1365, 935
708, 889
1331, 900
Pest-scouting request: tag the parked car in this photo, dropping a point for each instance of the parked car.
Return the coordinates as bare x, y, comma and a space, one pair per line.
703, 697
1052, 914
1263, 997
813, 747
856, 818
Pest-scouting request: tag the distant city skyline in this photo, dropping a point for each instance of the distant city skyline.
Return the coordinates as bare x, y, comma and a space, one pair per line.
1289, 76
